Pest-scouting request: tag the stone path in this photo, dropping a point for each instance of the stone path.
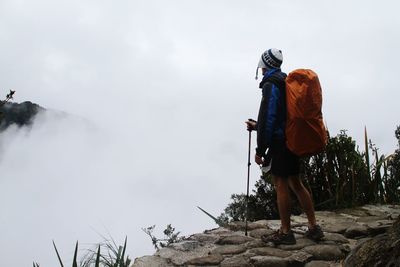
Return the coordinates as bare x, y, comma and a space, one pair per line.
229, 247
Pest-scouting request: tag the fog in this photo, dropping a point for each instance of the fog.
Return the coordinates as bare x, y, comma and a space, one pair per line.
154, 96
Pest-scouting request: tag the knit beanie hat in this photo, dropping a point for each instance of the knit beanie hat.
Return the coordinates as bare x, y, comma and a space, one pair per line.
270, 59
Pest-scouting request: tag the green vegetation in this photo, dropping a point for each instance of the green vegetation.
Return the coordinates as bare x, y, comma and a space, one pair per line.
21, 114
340, 177
170, 236
114, 256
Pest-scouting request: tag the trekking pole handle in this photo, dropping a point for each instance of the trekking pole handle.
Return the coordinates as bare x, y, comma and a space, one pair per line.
249, 129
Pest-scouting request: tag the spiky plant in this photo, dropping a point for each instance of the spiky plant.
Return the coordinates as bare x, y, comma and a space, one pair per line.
114, 256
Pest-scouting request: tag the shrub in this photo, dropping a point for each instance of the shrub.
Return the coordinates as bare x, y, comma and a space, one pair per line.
339, 177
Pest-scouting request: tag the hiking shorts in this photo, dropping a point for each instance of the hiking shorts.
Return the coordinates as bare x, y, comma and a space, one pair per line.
283, 162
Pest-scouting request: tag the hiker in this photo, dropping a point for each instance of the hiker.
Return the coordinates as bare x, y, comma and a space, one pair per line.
270, 129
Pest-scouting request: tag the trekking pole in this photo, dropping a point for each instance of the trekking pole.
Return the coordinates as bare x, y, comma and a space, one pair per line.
248, 181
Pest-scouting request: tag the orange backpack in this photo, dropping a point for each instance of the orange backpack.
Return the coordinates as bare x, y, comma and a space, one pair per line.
305, 130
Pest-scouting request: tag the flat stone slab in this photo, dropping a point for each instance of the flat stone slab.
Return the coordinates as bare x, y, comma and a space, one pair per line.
300, 243
256, 243
178, 257
236, 261
234, 240
299, 258
151, 261
335, 237
377, 230
299, 220
356, 212
213, 259
274, 224
229, 249
241, 226
185, 245
355, 231
325, 252
337, 227
322, 264
204, 237
259, 232
269, 261
270, 251
368, 219
221, 231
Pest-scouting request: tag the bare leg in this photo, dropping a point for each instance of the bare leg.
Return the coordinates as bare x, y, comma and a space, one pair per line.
283, 199
304, 198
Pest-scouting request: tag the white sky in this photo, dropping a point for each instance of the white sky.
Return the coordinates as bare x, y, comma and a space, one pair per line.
160, 91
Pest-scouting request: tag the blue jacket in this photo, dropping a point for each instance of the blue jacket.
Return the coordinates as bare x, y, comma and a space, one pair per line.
271, 121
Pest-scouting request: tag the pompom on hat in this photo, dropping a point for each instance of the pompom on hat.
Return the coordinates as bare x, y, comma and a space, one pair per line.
270, 59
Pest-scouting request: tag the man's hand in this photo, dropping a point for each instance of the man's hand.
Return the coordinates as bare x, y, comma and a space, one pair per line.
259, 160
251, 125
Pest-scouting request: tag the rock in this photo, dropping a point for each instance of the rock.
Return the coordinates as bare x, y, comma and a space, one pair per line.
368, 219
274, 224
345, 248
236, 226
229, 249
333, 222
233, 240
356, 230
376, 227
259, 232
355, 212
185, 245
178, 257
388, 210
385, 222
204, 238
337, 227
269, 261
236, 261
299, 258
269, 251
373, 231
263, 222
327, 242
322, 264
221, 231
362, 240
256, 243
352, 243
337, 238
299, 220
213, 259
325, 252
374, 211
241, 226
21, 114
300, 243
381, 250
151, 261
225, 248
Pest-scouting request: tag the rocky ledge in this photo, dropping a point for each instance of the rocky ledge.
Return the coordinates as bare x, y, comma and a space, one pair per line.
345, 231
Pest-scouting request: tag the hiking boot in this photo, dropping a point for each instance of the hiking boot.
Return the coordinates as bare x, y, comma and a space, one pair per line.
315, 233
279, 238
